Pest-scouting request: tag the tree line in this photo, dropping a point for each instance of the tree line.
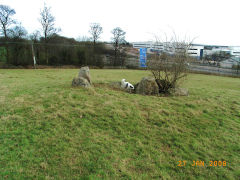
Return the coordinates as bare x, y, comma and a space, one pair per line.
17, 47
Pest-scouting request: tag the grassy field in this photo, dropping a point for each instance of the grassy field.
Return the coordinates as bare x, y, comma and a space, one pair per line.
49, 130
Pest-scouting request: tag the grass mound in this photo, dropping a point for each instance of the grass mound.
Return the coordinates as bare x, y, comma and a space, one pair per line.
49, 130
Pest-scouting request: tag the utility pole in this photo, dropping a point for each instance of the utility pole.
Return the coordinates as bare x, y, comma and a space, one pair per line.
34, 59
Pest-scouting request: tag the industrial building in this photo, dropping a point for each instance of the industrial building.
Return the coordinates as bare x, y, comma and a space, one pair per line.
195, 50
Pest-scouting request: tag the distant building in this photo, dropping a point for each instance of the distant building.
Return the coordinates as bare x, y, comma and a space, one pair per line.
151, 46
196, 50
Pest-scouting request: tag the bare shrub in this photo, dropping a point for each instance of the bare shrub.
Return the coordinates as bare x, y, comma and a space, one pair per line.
170, 63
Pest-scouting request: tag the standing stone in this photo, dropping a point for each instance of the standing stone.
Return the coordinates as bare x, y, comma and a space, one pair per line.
85, 73
83, 78
80, 81
147, 86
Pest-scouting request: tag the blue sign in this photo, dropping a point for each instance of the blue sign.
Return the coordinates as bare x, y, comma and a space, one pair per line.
143, 57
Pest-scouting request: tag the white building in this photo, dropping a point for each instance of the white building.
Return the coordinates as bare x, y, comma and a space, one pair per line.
235, 50
196, 50
151, 46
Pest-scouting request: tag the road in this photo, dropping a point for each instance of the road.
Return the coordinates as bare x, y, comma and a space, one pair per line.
215, 70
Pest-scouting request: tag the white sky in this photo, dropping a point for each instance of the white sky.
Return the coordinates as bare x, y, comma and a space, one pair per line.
209, 21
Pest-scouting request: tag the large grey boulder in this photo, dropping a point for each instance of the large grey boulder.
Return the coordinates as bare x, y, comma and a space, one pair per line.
147, 86
80, 81
85, 73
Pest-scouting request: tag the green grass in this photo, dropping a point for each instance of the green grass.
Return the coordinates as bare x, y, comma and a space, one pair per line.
49, 130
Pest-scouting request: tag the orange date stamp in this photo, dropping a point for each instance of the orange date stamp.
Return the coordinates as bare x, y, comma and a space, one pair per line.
202, 163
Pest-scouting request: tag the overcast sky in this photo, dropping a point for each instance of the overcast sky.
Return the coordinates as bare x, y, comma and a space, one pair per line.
209, 21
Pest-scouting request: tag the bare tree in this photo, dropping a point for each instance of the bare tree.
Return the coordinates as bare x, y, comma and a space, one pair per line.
95, 31
83, 39
5, 18
6, 21
35, 36
118, 38
47, 21
18, 32
171, 64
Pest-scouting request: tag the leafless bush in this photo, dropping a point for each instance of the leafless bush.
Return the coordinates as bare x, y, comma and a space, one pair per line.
170, 63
